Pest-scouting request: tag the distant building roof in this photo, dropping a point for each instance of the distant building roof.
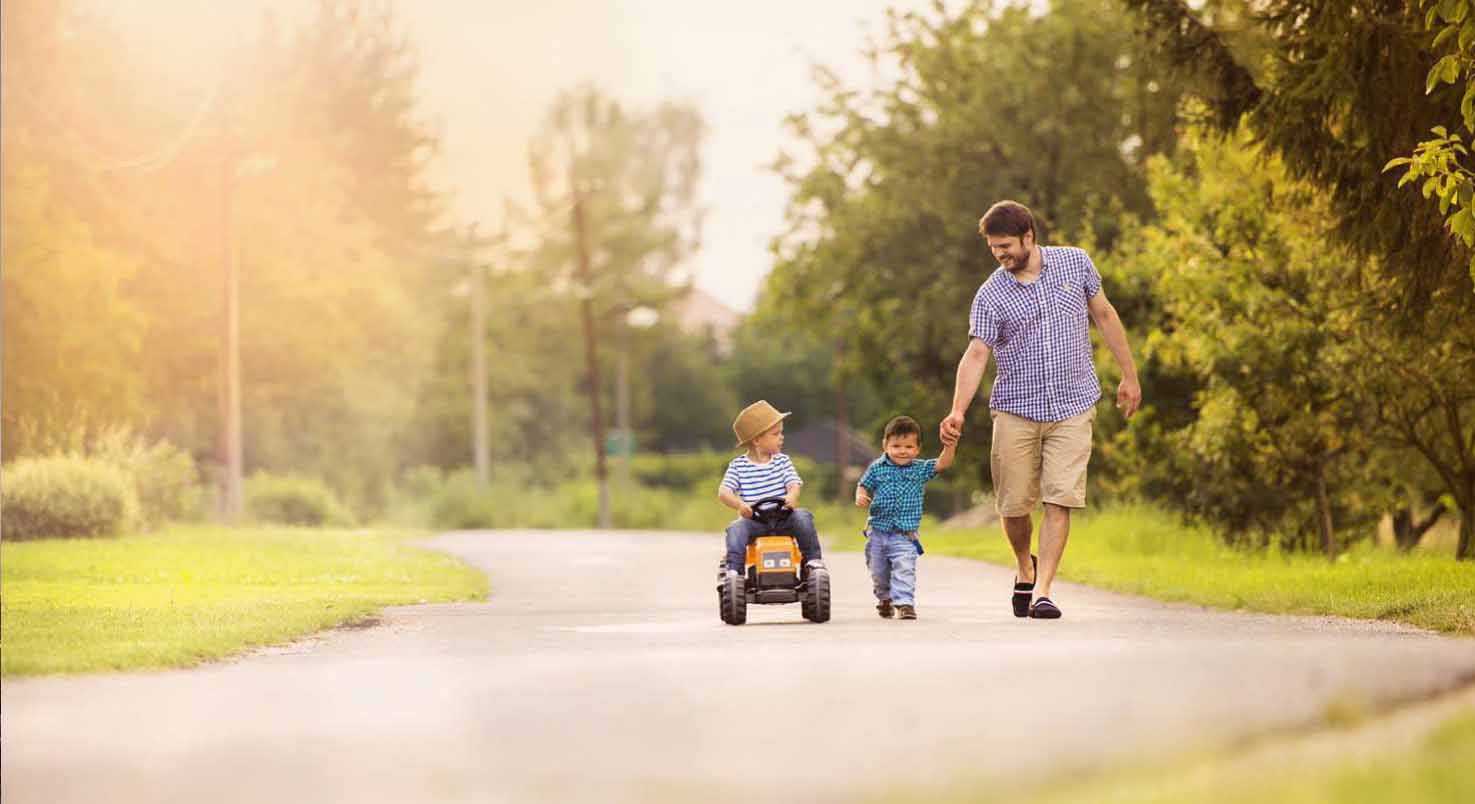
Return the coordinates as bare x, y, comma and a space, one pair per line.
817, 442
700, 312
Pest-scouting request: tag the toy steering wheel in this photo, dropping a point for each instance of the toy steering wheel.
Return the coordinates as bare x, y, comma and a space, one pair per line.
771, 511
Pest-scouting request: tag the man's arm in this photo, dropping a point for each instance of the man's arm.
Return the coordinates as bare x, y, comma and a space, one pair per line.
729, 498
970, 373
1129, 392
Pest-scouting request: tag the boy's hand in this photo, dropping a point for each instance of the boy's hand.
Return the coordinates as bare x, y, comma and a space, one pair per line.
862, 498
745, 511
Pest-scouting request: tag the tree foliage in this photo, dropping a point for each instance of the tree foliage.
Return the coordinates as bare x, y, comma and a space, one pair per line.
1333, 89
1056, 110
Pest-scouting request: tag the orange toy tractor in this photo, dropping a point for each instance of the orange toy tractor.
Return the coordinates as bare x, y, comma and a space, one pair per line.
774, 573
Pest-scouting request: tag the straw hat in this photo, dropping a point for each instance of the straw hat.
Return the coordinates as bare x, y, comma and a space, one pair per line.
755, 420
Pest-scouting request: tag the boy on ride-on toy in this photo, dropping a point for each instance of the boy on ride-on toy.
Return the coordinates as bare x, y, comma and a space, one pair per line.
761, 472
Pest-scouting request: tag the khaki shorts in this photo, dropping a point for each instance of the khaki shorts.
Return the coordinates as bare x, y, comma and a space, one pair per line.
1029, 457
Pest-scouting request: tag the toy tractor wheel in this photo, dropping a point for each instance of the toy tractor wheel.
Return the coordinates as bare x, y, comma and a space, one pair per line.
732, 600
816, 603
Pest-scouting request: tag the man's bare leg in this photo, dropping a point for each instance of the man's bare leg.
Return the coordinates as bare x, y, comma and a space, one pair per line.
1020, 531
1054, 533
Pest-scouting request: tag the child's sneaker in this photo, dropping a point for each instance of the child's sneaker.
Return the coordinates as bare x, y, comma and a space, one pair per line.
906, 612
884, 609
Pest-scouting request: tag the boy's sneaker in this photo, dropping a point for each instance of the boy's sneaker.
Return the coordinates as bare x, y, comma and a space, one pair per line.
885, 610
906, 612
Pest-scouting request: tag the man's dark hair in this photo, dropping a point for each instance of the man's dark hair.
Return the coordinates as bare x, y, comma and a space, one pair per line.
1007, 219
900, 426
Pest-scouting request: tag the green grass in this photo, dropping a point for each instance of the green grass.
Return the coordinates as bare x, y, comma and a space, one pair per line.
1436, 769
1143, 550
194, 593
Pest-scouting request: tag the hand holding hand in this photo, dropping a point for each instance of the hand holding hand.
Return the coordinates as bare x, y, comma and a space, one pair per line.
951, 429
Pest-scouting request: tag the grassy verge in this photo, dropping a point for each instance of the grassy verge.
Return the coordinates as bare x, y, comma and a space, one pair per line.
1436, 769
194, 593
1142, 550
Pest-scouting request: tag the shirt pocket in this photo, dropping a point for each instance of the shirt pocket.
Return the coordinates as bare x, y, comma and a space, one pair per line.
1069, 299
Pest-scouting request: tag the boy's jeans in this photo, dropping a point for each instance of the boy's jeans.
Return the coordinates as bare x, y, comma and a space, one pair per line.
892, 559
800, 523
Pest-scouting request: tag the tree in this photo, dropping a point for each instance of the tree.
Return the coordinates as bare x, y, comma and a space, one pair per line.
1057, 110
615, 210
1252, 298
1335, 98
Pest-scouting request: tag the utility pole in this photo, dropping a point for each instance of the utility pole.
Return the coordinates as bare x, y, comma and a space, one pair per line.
481, 447
842, 426
586, 283
233, 501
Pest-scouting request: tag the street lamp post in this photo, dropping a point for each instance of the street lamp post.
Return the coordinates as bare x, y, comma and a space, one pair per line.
637, 318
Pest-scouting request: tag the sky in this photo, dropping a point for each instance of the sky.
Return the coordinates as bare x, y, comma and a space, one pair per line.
490, 70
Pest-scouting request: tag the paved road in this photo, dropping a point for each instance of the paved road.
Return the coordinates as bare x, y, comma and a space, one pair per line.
599, 671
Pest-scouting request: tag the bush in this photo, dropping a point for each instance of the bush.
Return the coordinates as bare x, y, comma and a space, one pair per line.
66, 496
164, 476
294, 500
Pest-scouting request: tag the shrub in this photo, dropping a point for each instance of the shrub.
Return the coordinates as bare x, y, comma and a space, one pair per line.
164, 475
66, 496
294, 500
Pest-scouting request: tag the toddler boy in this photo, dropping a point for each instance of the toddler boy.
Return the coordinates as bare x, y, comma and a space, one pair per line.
892, 487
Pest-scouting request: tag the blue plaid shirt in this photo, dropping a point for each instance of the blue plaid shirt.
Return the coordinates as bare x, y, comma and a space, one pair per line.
896, 493
1040, 334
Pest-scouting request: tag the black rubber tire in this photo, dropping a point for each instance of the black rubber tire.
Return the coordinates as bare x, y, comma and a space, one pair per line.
817, 596
732, 600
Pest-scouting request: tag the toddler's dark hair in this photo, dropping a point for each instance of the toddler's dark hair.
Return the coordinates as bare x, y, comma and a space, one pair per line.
900, 426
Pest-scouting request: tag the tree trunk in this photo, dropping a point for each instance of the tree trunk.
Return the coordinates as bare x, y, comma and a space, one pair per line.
1324, 517
1408, 531
591, 353
1466, 549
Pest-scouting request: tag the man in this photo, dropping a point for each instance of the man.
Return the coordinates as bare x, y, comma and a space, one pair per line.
1032, 312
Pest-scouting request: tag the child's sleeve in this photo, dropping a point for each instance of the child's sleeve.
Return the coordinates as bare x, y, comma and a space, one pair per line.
929, 465
868, 480
730, 478
791, 475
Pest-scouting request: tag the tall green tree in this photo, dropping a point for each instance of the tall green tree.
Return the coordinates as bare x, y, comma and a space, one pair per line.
1335, 88
1058, 110
1254, 308
615, 213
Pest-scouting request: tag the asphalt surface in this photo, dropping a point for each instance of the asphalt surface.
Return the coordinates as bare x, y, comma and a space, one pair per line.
599, 671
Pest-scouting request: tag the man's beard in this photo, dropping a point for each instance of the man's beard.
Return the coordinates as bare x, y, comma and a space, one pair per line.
1018, 263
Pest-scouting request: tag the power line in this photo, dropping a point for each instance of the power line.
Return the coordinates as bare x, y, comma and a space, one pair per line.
150, 162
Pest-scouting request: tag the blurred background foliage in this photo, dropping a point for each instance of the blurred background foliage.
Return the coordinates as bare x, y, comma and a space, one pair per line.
1305, 329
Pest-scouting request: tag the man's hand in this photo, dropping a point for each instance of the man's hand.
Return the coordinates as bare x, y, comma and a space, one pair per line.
1128, 397
951, 429
862, 497
745, 511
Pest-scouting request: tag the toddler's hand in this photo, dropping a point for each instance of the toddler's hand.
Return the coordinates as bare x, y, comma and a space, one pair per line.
862, 499
745, 511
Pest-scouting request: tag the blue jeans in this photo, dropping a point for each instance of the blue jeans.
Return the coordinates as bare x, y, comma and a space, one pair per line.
892, 559
800, 524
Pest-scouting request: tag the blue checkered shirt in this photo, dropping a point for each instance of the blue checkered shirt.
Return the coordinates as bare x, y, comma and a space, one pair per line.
896, 493
1040, 334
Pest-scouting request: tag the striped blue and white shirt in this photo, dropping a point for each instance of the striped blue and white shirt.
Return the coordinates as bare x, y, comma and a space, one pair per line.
896, 493
759, 481
1040, 333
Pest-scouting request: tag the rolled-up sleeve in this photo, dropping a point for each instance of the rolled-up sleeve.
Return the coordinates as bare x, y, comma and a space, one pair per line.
1091, 279
983, 320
